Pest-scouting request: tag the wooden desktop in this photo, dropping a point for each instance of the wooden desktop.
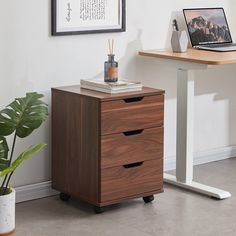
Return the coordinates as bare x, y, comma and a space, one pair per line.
194, 56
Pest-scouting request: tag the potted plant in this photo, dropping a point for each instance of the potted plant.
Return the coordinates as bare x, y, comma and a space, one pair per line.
20, 119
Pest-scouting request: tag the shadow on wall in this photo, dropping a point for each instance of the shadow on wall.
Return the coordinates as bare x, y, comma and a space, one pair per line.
150, 73
38, 168
232, 81
178, 15
128, 63
218, 81
233, 20
210, 82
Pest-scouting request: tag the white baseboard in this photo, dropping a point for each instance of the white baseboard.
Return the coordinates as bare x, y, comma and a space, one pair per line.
204, 157
34, 191
41, 190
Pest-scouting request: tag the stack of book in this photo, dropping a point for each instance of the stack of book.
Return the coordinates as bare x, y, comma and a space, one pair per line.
121, 86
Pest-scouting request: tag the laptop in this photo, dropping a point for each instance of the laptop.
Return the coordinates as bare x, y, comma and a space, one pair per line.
208, 29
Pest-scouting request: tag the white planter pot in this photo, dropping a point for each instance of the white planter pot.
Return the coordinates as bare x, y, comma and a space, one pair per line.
7, 213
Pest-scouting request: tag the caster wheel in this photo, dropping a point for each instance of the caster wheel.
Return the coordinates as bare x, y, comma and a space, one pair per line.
64, 197
98, 210
148, 199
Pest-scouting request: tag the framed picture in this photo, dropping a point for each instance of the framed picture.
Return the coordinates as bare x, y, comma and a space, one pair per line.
87, 16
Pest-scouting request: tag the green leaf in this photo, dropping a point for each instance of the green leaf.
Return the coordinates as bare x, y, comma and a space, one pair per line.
3, 164
3, 153
31, 151
23, 115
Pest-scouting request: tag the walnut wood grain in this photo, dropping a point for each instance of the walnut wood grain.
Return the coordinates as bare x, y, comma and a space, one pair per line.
143, 194
119, 182
108, 97
118, 116
76, 145
118, 149
87, 164
194, 56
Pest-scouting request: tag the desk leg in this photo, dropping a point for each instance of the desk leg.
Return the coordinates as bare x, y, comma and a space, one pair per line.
184, 144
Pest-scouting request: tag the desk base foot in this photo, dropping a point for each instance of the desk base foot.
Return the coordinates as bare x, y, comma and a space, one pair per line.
196, 187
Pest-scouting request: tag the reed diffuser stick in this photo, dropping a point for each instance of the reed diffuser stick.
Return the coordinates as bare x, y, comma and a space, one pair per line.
111, 46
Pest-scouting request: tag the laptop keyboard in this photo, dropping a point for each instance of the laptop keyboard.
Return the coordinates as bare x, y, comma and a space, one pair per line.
222, 45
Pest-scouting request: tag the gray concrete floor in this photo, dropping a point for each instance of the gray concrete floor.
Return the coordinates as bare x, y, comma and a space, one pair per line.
174, 213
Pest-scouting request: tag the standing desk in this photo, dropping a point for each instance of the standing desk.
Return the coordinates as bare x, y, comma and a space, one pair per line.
186, 64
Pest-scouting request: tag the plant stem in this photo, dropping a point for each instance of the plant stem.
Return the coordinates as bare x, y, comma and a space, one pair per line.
3, 183
12, 151
9, 178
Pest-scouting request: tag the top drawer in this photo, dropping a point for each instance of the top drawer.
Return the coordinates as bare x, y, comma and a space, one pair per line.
132, 114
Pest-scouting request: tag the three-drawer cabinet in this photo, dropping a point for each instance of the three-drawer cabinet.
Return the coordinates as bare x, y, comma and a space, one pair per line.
107, 148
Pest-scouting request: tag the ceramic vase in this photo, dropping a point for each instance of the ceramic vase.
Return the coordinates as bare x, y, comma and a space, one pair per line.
179, 41
7, 214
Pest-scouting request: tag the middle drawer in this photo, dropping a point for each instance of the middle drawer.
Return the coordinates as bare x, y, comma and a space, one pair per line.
130, 147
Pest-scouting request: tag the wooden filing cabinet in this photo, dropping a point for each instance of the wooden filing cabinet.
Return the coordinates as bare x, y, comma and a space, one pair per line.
107, 148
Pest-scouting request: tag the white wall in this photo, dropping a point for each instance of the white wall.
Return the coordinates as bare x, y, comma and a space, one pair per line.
32, 60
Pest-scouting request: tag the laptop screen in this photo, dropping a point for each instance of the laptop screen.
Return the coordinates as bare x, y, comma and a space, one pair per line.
207, 26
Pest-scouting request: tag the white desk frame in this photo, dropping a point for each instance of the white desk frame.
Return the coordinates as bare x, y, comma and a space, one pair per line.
185, 130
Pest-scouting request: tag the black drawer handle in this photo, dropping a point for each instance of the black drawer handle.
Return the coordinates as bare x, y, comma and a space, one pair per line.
137, 99
134, 132
133, 165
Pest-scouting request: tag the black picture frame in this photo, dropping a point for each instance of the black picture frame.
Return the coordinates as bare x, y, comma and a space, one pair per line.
56, 32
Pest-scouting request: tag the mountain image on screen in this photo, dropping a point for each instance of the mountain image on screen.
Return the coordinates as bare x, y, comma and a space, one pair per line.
204, 31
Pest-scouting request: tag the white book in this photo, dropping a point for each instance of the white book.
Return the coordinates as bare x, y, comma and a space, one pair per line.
111, 86
105, 90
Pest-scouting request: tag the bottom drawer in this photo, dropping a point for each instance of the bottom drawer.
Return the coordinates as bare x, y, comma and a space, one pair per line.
130, 180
